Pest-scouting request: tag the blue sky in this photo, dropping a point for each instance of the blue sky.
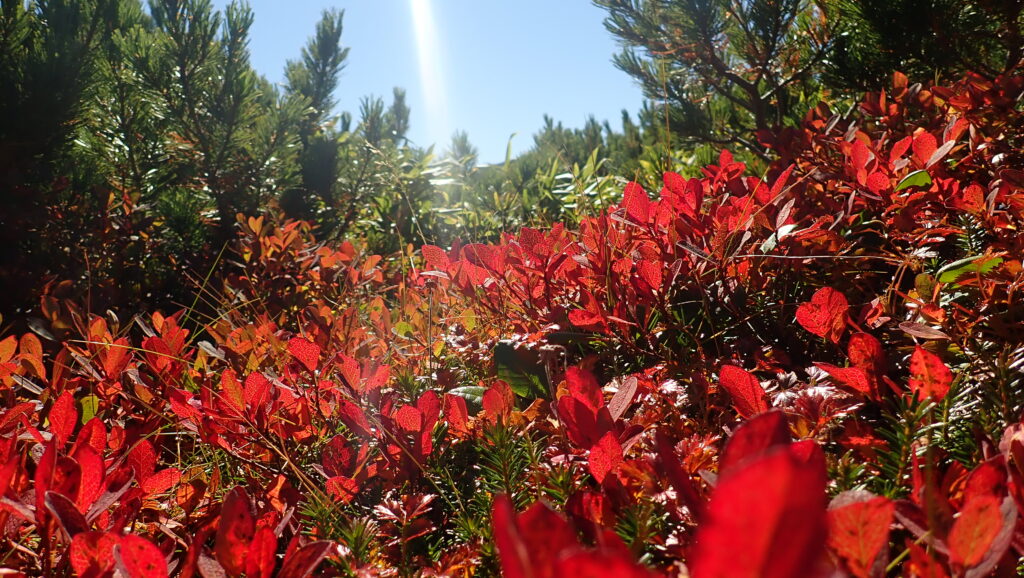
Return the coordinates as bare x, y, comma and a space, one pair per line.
489, 67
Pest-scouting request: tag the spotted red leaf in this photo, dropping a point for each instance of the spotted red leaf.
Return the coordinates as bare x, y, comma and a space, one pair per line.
304, 561
605, 457
92, 553
305, 351
747, 394
435, 257
765, 519
257, 391
138, 558
858, 530
825, 314
234, 531
63, 417
929, 376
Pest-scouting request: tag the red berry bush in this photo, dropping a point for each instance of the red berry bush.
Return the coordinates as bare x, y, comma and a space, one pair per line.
808, 372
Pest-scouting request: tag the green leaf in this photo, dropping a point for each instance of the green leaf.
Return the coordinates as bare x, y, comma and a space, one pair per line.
473, 394
403, 329
89, 406
915, 179
979, 266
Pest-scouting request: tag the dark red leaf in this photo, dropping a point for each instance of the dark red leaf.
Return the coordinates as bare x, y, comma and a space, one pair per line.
235, 531
853, 378
929, 376
747, 394
304, 561
825, 315
765, 519
67, 514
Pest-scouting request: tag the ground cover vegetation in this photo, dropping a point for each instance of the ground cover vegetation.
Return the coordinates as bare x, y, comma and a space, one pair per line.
771, 327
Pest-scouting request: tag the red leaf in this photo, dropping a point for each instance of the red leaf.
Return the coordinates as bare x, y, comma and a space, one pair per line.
303, 562
63, 417
456, 415
583, 386
138, 558
235, 531
337, 458
974, 530
753, 438
342, 488
599, 565
262, 554
747, 394
257, 391
529, 543
867, 353
409, 419
232, 390
929, 376
825, 314
498, 401
92, 553
435, 257
922, 565
605, 457
859, 530
924, 147
853, 378
636, 203
161, 481
305, 351
353, 417
766, 519
67, 513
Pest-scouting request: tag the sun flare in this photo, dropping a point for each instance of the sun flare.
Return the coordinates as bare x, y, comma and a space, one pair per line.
428, 54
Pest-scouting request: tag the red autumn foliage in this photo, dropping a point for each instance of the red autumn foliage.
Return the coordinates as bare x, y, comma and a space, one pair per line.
813, 372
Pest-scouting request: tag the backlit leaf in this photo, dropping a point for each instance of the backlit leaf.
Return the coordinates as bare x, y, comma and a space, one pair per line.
766, 519
929, 376
747, 394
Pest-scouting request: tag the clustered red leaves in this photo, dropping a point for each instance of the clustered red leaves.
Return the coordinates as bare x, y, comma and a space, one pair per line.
711, 353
